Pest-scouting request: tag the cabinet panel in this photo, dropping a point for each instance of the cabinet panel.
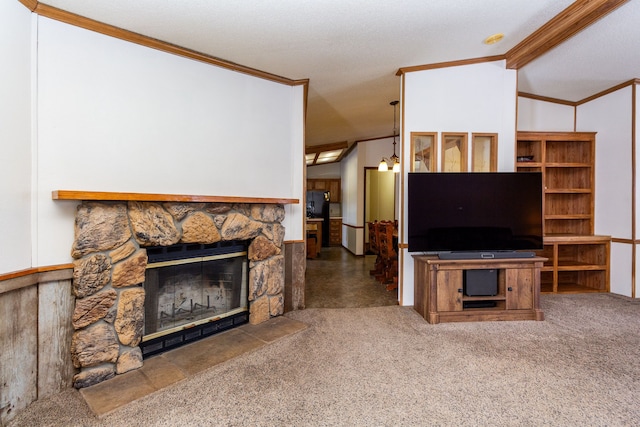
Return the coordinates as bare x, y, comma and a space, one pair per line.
449, 283
334, 188
569, 151
567, 226
519, 284
567, 204
568, 178
333, 185
335, 232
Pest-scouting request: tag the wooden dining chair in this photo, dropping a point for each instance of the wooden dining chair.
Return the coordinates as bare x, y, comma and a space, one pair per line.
388, 253
374, 247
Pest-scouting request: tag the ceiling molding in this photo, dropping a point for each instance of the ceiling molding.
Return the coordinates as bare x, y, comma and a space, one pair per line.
546, 99
567, 23
109, 30
404, 70
608, 91
29, 4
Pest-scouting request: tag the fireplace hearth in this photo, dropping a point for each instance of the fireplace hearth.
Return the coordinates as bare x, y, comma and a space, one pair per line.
116, 241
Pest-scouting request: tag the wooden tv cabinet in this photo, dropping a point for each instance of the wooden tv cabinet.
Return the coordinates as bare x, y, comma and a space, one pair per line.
439, 294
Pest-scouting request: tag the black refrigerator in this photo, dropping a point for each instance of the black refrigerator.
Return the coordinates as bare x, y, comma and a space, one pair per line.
318, 207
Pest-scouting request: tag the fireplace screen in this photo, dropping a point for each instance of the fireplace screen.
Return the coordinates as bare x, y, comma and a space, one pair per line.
184, 293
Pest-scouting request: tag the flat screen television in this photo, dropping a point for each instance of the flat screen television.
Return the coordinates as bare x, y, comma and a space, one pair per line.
474, 212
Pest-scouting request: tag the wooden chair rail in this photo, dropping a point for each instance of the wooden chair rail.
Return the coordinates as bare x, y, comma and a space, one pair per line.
31, 276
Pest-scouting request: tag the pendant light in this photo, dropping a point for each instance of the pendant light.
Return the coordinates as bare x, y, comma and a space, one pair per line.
394, 159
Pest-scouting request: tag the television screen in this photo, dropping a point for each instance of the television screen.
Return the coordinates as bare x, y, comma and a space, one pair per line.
464, 211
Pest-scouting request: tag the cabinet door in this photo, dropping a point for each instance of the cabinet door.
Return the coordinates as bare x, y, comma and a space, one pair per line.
334, 189
449, 289
519, 287
319, 184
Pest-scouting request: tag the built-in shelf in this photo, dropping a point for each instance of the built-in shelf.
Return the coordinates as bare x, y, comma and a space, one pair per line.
577, 260
150, 197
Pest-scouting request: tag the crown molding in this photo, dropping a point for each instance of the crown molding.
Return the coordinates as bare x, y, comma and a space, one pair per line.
608, 91
112, 31
546, 99
447, 64
564, 25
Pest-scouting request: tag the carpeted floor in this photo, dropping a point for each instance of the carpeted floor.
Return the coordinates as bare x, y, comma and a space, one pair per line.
385, 366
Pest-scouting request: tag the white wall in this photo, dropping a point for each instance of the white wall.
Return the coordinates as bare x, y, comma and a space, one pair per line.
636, 138
330, 170
15, 136
352, 208
115, 116
470, 98
537, 115
610, 116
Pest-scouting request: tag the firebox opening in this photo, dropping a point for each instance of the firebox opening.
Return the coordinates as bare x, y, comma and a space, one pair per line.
193, 291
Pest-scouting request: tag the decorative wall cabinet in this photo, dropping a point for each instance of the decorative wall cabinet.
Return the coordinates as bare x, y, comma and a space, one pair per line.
484, 152
454, 152
423, 152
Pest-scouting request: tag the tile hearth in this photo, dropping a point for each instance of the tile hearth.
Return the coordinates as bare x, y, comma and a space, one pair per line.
170, 367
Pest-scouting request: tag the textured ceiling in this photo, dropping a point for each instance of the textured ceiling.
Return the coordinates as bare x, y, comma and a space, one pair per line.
598, 58
350, 50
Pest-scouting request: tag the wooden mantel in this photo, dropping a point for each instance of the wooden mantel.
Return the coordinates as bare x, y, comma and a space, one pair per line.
149, 197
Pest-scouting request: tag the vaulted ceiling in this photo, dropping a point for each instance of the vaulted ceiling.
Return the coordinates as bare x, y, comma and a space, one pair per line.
351, 50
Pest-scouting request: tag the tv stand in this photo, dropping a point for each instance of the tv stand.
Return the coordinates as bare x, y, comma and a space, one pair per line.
439, 289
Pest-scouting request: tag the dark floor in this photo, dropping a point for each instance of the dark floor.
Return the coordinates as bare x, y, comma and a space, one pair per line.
339, 279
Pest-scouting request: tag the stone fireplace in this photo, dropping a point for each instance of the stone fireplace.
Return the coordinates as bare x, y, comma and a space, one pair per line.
193, 291
110, 252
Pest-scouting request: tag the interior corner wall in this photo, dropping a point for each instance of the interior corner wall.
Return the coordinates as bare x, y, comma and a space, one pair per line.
15, 134
635, 293
468, 98
117, 116
611, 117
544, 116
352, 201
295, 214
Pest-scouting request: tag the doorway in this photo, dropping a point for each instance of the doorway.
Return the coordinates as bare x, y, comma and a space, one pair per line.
379, 198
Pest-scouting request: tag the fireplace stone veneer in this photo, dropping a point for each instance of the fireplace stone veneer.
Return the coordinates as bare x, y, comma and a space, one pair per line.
111, 259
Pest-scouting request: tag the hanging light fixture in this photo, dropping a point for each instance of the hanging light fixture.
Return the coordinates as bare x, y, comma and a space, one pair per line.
394, 159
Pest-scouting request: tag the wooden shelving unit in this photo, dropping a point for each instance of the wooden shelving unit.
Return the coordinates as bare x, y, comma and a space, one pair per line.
576, 264
578, 261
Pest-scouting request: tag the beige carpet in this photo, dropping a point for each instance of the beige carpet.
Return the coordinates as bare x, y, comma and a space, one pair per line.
387, 367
